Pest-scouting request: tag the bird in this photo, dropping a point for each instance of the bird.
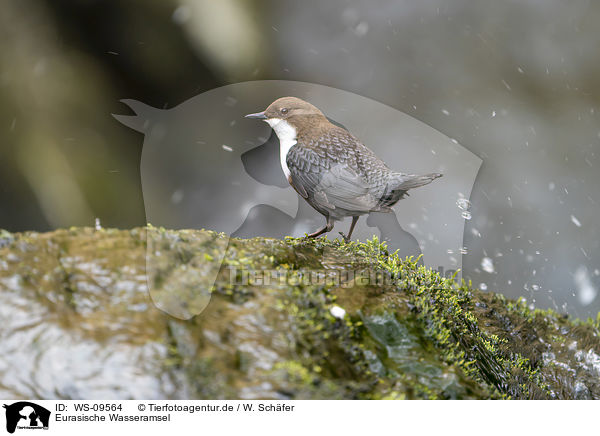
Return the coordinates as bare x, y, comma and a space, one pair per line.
332, 169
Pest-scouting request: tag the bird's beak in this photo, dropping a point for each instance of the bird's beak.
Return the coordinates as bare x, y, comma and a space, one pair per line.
257, 116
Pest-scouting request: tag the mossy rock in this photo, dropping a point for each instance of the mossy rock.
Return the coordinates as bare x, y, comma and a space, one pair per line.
320, 319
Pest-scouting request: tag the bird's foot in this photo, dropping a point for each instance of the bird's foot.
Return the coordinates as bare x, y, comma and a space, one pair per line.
325, 229
314, 234
346, 238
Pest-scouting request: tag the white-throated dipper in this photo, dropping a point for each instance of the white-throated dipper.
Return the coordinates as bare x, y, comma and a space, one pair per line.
330, 168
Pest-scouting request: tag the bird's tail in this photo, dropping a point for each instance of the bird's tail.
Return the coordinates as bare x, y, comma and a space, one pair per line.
404, 182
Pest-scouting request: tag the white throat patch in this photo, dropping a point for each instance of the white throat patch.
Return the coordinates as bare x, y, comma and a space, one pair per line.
287, 139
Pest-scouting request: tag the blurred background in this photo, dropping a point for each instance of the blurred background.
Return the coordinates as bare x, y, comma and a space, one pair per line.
515, 82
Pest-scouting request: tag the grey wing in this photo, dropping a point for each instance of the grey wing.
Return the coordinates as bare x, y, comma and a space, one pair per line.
345, 189
331, 180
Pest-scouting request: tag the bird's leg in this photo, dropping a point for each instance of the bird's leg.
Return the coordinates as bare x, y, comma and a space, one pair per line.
347, 238
328, 227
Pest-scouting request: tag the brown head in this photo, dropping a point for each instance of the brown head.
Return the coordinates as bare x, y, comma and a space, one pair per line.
291, 109
290, 118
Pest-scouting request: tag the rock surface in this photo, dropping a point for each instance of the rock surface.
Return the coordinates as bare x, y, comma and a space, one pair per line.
286, 319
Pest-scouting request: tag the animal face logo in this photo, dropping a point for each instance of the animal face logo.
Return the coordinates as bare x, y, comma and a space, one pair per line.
26, 415
205, 166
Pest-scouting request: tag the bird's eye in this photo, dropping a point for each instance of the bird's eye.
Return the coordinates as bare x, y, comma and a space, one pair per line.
284, 110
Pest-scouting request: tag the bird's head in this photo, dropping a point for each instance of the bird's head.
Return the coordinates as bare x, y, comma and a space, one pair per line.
288, 112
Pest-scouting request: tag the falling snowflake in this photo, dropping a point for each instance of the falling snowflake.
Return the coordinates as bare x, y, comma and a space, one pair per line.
586, 292
488, 265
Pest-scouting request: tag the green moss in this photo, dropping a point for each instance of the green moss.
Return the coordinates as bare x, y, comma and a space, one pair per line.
450, 316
